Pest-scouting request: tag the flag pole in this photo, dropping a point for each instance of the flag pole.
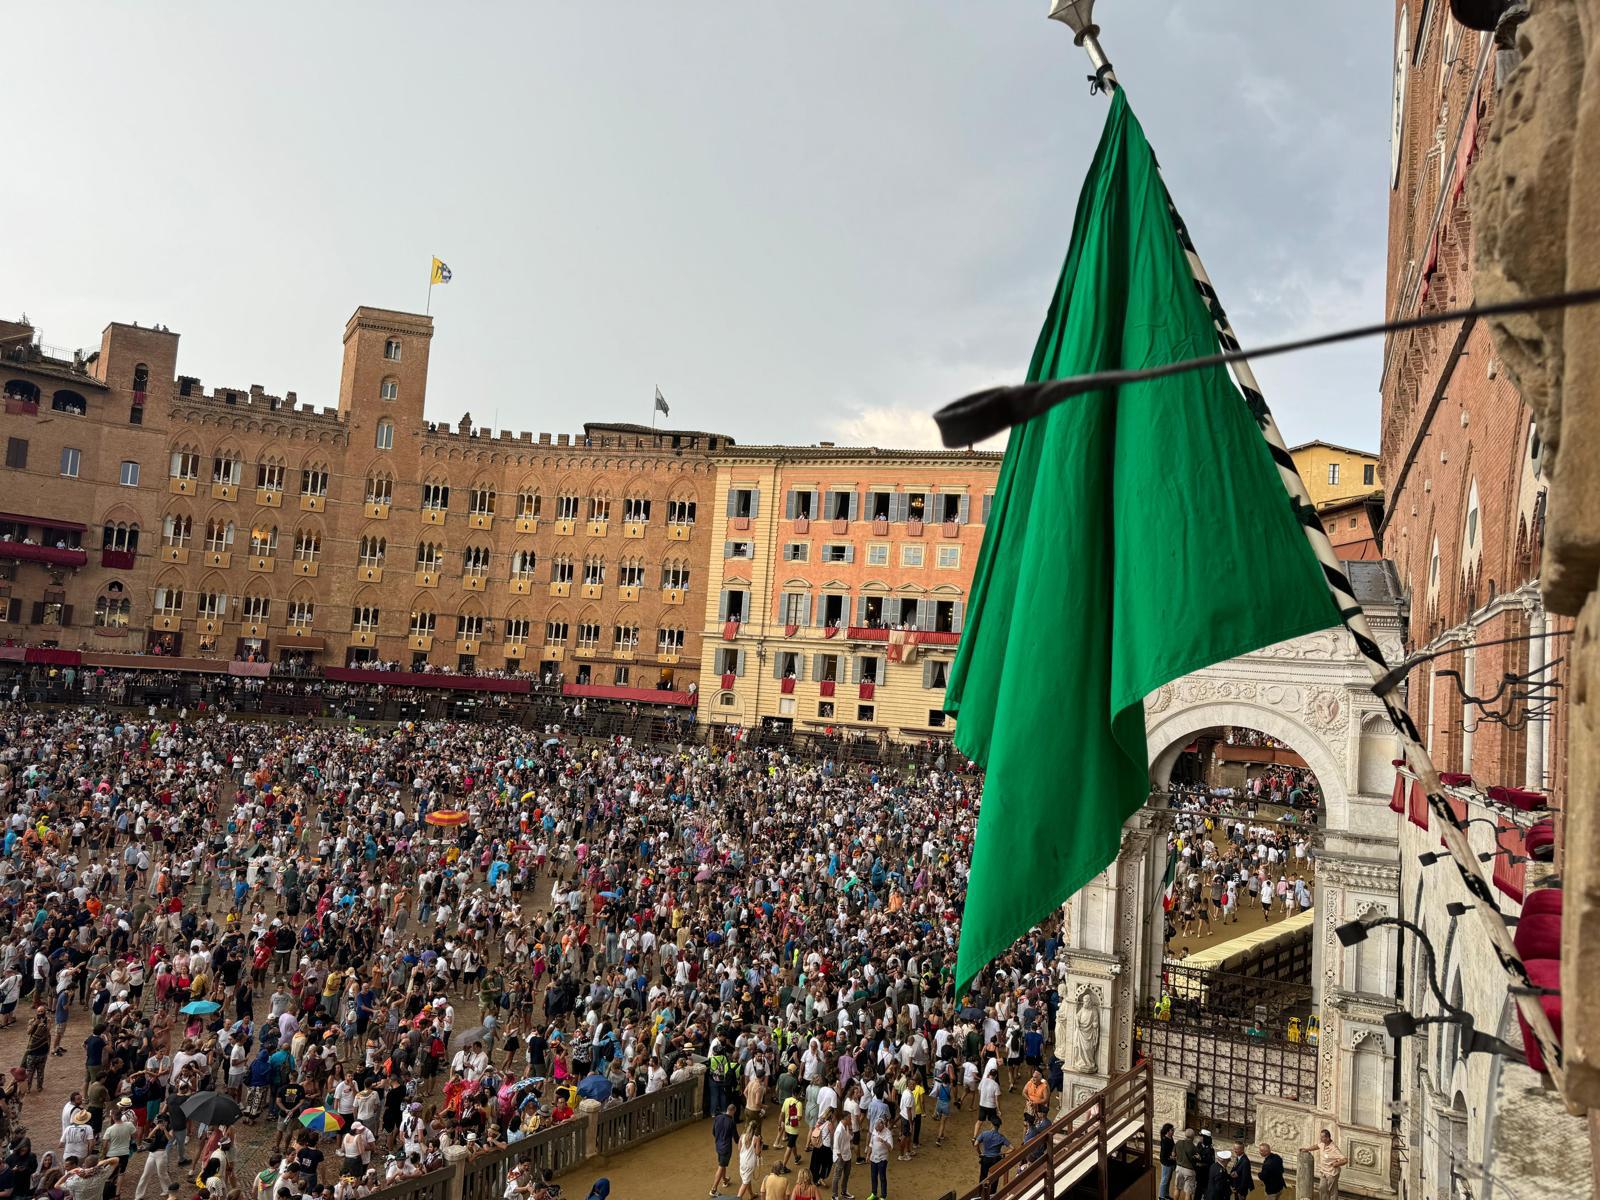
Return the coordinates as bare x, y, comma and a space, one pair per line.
1078, 15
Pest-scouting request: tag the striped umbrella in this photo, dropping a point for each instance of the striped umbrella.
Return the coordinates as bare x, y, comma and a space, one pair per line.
321, 1120
448, 816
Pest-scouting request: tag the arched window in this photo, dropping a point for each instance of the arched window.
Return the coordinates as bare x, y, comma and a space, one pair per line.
594, 570
527, 505
270, 475
391, 349
423, 623
113, 607
219, 535
120, 536
307, 545
385, 439
481, 500
177, 530
264, 541
372, 550
1470, 534
380, 490
430, 556
475, 560
225, 467
523, 563
67, 401
389, 389
631, 572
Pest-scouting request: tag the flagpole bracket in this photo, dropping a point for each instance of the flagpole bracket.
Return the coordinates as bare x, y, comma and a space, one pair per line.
1078, 16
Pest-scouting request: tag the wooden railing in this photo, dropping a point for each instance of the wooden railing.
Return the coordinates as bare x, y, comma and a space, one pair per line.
435, 1185
644, 1117
556, 1148
1102, 1147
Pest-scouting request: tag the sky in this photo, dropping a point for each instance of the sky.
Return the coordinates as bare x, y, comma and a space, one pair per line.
802, 222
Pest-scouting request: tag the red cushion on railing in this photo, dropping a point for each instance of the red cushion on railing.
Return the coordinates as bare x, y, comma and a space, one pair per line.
1541, 841
1543, 972
1519, 798
1455, 778
1539, 936
1397, 799
1542, 900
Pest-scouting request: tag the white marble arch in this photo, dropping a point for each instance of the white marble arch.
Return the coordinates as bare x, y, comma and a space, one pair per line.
1168, 733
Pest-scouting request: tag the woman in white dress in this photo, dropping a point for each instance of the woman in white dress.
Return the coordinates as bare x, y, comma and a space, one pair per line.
750, 1148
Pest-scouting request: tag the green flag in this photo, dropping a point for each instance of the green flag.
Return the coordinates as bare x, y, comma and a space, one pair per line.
1135, 536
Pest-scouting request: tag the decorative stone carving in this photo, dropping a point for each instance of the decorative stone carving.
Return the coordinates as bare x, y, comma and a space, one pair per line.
1159, 700
1364, 1154
1086, 1034
1326, 711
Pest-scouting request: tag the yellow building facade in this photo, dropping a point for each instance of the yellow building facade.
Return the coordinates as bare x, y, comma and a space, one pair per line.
839, 581
1334, 473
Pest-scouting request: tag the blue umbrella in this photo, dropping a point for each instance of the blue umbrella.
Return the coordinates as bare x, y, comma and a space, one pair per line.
200, 1008
595, 1087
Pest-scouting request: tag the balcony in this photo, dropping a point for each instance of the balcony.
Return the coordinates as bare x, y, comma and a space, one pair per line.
224, 491
625, 653
309, 502
952, 529
174, 554
914, 528
52, 556
565, 527
363, 637
633, 529
18, 407
584, 651
369, 573
263, 564
526, 525
480, 520
420, 641
428, 577
219, 558
433, 516
923, 637
560, 589
468, 645
208, 623
678, 533
166, 622
596, 528
802, 525
522, 584
672, 595
554, 653
182, 486
593, 591
305, 568
668, 656
376, 510
117, 560
515, 651
628, 591
269, 497
474, 583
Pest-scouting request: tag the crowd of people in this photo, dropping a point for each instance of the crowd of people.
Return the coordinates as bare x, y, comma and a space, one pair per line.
450, 935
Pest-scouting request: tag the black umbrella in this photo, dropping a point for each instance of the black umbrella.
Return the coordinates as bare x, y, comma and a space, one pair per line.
211, 1108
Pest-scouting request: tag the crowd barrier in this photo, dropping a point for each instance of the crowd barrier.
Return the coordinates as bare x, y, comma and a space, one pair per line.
590, 1135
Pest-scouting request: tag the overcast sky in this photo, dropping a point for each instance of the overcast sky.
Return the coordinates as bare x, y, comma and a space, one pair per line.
804, 221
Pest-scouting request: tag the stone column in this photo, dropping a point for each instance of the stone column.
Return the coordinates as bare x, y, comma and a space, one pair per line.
1111, 946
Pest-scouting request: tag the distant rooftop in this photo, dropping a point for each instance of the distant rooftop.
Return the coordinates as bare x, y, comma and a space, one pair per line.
1374, 582
1332, 446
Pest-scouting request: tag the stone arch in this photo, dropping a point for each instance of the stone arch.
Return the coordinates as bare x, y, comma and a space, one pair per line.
1168, 733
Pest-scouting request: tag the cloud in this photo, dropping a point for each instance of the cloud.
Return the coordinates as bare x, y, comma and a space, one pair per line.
897, 428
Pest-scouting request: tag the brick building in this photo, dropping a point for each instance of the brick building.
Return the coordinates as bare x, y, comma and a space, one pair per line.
1461, 460
839, 580
148, 514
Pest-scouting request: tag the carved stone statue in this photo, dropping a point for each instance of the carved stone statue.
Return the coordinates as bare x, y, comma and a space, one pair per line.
1086, 1037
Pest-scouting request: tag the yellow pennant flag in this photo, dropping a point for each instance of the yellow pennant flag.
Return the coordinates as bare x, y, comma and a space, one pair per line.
439, 274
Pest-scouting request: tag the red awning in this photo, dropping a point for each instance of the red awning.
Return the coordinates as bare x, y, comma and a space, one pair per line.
43, 554
50, 656
47, 522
